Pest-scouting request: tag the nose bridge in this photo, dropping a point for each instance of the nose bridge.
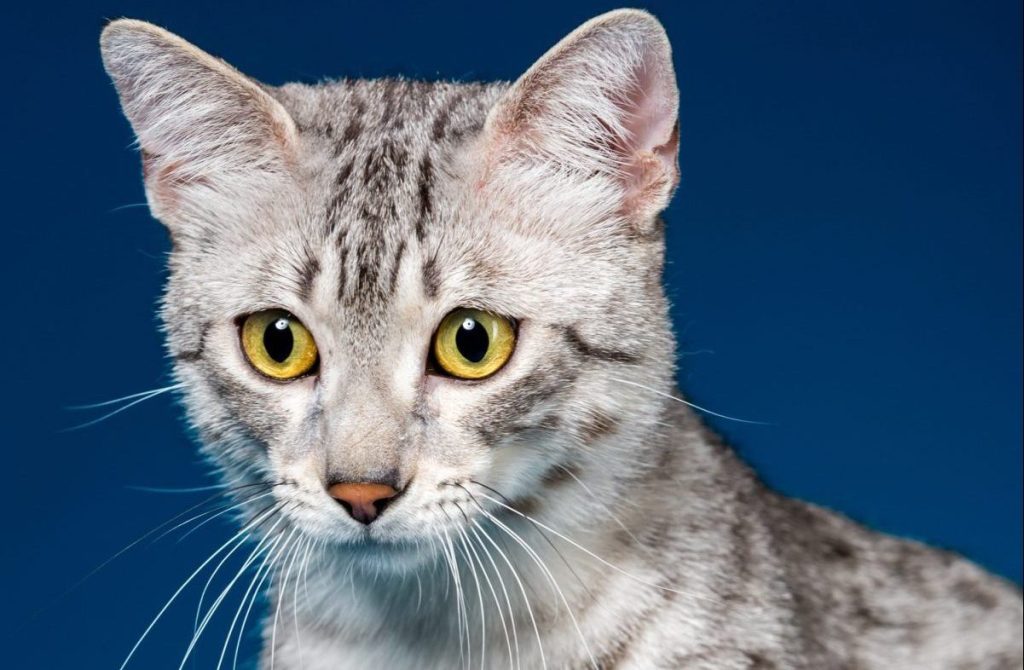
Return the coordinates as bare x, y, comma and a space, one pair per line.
363, 440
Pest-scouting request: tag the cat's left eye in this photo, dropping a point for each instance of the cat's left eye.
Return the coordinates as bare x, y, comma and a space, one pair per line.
277, 345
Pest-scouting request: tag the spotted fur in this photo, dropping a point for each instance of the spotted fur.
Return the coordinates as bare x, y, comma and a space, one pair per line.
369, 210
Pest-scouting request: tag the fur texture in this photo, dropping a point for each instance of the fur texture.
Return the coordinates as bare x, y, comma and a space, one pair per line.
369, 210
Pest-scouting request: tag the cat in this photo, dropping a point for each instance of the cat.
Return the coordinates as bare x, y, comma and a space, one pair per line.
420, 330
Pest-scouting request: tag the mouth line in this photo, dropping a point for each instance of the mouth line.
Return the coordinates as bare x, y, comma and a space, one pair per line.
370, 547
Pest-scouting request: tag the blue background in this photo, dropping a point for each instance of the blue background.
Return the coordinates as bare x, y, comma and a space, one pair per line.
845, 264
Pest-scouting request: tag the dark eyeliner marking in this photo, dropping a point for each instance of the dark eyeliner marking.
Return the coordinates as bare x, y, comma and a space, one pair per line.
431, 280
572, 337
395, 267
196, 352
426, 182
310, 271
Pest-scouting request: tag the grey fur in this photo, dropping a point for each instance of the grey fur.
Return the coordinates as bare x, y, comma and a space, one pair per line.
369, 209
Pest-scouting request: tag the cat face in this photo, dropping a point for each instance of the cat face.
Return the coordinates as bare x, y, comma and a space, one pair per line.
447, 291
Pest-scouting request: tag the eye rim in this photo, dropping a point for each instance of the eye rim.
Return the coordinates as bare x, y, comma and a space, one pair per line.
434, 364
278, 312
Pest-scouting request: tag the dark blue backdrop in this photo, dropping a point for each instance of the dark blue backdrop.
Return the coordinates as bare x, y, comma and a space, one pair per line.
845, 264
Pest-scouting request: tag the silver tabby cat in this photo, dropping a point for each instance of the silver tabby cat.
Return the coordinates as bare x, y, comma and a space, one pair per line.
421, 331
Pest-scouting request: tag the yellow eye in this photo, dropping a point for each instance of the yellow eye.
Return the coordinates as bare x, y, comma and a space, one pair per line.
278, 345
471, 344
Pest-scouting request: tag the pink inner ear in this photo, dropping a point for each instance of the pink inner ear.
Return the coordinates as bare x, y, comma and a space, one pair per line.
650, 119
651, 167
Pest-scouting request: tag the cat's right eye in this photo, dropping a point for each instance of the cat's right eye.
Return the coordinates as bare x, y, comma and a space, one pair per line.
473, 344
277, 345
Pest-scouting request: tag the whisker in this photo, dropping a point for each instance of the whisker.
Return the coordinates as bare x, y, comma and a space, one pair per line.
252, 602
419, 592
539, 530
162, 489
467, 541
295, 603
479, 596
216, 512
227, 589
551, 578
108, 415
134, 543
213, 574
305, 569
245, 597
607, 509
508, 603
245, 529
209, 580
522, 590
130, 205
221, 513
226, 486
603, 561
290, 560
460, 603
669, 396
131, 396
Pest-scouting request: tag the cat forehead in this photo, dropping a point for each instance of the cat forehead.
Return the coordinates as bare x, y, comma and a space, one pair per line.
352, 111
378, 156
384, 141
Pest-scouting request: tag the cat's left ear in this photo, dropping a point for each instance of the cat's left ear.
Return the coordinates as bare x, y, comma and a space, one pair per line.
603, 101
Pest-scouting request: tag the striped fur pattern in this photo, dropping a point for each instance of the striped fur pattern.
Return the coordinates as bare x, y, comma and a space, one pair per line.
568, 512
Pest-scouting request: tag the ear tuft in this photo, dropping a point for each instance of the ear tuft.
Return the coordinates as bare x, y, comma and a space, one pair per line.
603, 100
199, 122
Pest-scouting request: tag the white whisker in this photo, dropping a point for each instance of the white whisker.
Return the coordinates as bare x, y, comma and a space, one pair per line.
259, 549
114, 413
508, 601
163, 489
252, 601
601, 560
245, 597
131, 396
130, 205
460, 602
669, 396
522, 590
551, 578
216, 570
289, 559
241, 533
295, 603
479, 595
213, 514
494, 594
606, 508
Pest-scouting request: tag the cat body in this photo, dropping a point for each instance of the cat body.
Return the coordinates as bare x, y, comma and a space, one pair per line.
566, 510
717, 574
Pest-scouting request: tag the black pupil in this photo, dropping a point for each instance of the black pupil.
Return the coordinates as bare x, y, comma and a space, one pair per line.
278, 340
472, 341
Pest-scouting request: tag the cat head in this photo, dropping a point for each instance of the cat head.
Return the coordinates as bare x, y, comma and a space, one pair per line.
423, 301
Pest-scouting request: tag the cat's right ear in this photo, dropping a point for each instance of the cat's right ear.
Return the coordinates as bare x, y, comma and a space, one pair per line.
208, 134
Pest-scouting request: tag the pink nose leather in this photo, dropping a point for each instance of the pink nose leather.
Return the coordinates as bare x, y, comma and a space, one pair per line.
364, 501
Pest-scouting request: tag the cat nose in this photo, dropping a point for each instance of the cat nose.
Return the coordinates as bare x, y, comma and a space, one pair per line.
364, 501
